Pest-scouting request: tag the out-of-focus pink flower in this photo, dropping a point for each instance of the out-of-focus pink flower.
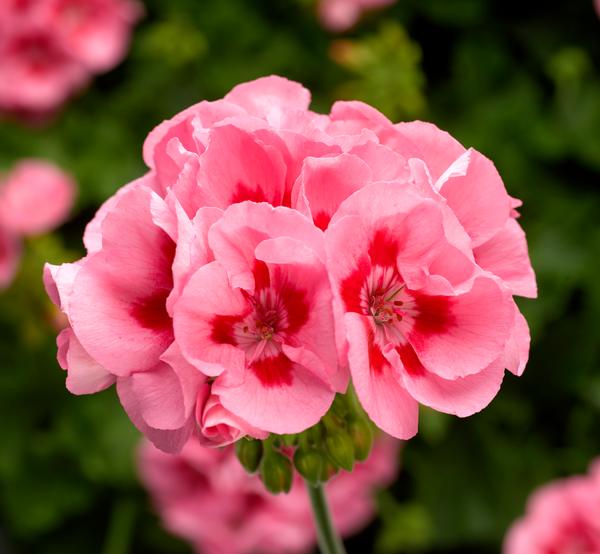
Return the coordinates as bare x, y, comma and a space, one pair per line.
36, 73
339, 15
597, 6
216, 268
562, 518
49, 49
95, 32
35, 197
204, 496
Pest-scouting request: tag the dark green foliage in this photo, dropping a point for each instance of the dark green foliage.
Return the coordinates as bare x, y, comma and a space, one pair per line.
519, 81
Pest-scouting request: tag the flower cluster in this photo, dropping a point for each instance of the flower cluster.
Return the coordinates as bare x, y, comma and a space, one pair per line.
205, 497
50, 48
271, 252
562, 518
340, 15
35, 197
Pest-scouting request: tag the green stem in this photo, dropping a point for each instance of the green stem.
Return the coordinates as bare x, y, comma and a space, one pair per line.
329, 540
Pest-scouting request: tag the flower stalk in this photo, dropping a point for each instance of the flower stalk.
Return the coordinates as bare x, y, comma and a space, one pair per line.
328, 538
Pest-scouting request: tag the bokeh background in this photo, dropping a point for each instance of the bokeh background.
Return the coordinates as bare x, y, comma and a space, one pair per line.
519, 81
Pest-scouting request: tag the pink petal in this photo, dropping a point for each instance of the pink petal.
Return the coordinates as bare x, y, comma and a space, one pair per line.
396, 228
189, 377
167, 440
118, 308
378, 386
84, 374
298, 146
385, 164
235, 236
360, 114
92, 237
183, 127
207, 304
158, 395
456, 336
325, 183
478, 198
270, 97
278, 396
517, 347
192, 249
506, 256
236, 167
218, 426
436, 147
58, 281
463, 396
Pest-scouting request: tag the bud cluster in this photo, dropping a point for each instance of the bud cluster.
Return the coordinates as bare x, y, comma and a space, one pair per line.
342, 437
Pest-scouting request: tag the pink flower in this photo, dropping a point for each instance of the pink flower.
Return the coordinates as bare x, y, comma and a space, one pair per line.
115, 300
205, 497
50, 48
562, 518
260, 318
423, 322
340, 15
270, 249
35, 197
95, 32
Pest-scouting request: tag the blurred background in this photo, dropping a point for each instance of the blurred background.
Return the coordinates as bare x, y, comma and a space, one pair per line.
519, 81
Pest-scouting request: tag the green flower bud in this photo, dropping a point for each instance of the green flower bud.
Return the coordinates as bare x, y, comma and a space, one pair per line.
276, 472
328, 470
249, 453
314, 435
340, 449
340, 406
362, 438
333, 422
309, 464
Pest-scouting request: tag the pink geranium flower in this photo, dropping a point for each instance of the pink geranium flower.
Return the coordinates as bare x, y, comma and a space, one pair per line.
270, 249
49, 49
35, 197
562, 518
423, 323
95, 32
260, 318
205, 497
340, 15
